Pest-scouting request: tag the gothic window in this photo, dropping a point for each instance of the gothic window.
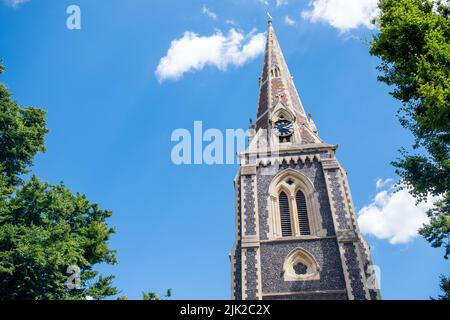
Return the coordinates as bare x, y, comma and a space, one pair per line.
275, 72
294, 209
300, 265
285, 215
302, 211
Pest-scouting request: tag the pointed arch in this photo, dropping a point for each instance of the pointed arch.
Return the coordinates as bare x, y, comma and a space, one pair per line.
281, 111
303, 203
275, 72
300, 265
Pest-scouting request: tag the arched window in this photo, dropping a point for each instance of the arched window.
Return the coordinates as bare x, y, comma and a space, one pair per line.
302, 211
275, 72
300, 265
293, 207
285, 215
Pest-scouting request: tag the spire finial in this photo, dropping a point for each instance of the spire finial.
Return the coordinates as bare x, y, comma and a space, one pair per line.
270, 17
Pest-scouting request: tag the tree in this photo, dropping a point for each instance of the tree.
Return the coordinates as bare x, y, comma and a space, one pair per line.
154, 296
414, 47
445, 287
50, 239
22, 134
151, 296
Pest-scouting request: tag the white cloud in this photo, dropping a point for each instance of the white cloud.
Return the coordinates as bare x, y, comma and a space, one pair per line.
394, 215
208, 12
380, 184
193, 52
281, 3
14, 3
289, 21
342, 14
264, 2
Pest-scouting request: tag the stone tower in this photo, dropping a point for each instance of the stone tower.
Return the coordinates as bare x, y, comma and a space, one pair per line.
296, 230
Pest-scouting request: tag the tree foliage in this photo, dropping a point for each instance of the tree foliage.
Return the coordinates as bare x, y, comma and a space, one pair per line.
414, 47
44, 228
151, 296
445, 287
22, 134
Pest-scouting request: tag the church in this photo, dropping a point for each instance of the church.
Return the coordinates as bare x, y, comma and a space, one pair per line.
297, 235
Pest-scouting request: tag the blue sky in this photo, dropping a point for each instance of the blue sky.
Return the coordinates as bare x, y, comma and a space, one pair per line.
111, 118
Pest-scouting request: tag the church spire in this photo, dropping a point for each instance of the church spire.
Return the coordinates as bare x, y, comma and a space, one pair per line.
277, 90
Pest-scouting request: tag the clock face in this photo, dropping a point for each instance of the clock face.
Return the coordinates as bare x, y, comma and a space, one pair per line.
284, 128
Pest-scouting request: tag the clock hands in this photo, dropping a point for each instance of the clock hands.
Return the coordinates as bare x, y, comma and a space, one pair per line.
284, 128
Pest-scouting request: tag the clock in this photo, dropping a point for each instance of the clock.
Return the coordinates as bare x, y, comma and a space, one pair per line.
284, 128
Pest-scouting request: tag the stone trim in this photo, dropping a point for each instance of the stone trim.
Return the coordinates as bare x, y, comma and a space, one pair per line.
362, 271
233, 273
255, 204
329, 164
237, 219
358, 282
287, 159
250, 242
248, 170
242, 206
348, 212
251, 274
244, 274
289, 148
345, 271
345, 236
258, 274
302, 238
337, 200
336, 228
258, 251
249, 216
243, 251
237, 206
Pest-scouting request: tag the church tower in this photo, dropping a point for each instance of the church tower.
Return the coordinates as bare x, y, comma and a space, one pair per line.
297, 235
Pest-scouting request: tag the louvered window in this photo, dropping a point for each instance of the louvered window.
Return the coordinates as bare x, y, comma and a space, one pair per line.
302, 214
286, 229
